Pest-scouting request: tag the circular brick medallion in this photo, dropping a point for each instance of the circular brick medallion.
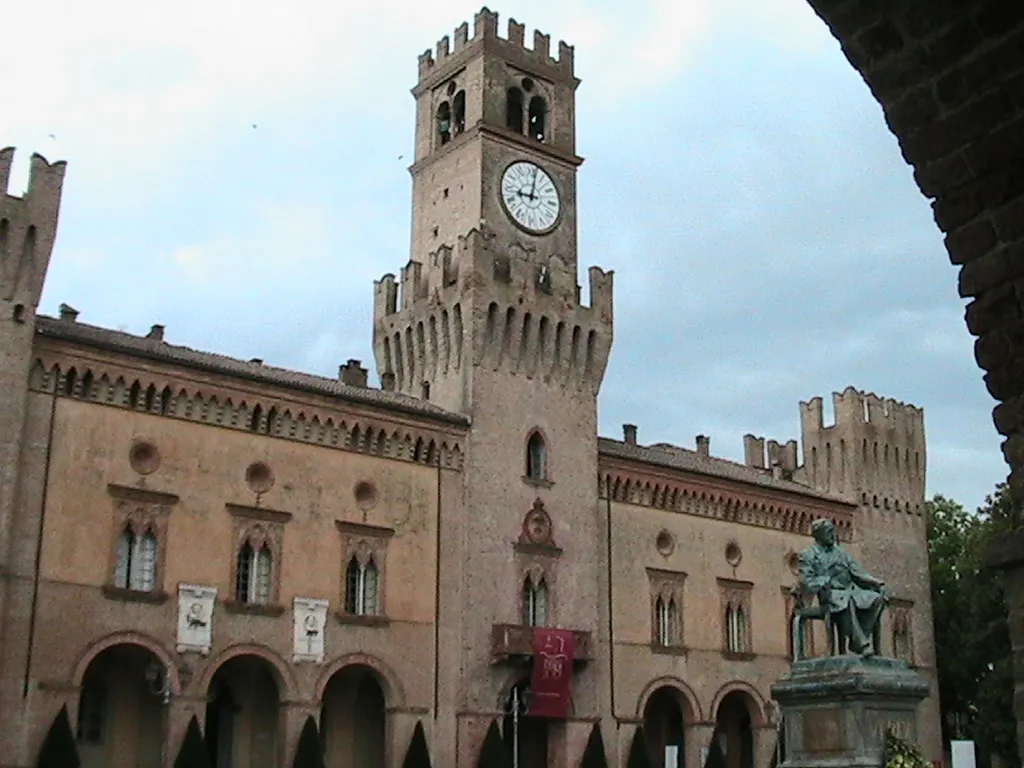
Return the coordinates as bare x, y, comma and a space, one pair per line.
365, 494
259, 477
144, 457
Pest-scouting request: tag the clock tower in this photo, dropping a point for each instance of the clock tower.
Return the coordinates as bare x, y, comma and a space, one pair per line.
486, 319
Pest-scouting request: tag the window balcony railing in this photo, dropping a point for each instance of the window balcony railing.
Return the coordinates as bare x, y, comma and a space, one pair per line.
515, 642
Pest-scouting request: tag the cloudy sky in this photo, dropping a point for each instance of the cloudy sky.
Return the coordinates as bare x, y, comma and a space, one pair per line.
768, 241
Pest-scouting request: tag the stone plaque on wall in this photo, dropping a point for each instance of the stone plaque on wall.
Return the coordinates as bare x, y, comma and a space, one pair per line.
823, 731
309, 625
195, 618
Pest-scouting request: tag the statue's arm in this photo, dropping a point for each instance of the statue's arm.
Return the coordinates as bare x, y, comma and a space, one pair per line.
861, 577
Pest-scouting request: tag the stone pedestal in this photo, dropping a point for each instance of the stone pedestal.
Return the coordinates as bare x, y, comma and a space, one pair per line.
836, 710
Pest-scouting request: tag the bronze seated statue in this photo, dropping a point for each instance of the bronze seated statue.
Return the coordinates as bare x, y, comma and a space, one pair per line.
850, 600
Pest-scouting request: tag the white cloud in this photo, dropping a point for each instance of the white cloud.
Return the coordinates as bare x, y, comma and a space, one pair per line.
126, 87
193, 262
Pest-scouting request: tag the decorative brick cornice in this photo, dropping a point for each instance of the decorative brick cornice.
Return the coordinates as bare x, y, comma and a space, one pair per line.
721, 498
233, 406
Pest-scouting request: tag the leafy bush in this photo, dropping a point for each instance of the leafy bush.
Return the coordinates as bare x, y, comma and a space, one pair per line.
898, 753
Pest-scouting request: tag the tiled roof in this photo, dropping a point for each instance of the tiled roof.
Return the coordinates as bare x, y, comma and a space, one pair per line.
674, 457
153, 349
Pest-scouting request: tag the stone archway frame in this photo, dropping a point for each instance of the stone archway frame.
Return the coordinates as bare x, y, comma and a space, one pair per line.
139, 639
389, 682
755, 702
287, 687
687, 699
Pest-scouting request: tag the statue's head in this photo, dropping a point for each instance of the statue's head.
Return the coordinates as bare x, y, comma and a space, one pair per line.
824, 532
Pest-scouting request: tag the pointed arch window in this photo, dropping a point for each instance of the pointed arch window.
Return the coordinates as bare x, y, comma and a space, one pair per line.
514, 110
444, 123
666, 620
736, 628
535, 601
254, 574
459, 113
667, 589
536, 457
361, 587
135, 566
538, 118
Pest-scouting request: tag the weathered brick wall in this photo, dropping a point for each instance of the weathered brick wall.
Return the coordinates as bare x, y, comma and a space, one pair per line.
950, 78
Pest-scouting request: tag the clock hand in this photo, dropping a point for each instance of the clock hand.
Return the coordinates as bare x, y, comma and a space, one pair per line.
533, 183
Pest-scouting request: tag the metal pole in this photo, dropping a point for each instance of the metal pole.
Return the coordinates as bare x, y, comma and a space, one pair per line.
515, 727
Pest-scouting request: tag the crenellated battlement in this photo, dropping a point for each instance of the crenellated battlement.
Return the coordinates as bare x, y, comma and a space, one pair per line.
854, 407
502, 308
873, 452
28, 228
780, 458
453, 51
476, 264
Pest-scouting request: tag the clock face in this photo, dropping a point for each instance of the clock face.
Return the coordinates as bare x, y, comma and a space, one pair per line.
530, 196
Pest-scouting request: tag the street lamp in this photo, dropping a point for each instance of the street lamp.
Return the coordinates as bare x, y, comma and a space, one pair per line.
159, 684
158, 681
519, 704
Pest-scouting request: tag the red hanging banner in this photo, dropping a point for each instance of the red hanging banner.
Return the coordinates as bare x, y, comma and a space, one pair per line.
552, 673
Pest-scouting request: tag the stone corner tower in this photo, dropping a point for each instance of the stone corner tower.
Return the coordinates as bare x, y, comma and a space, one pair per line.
28, 228
486, 319
874, 453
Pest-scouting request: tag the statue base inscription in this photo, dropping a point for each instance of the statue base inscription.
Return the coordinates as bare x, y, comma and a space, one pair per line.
836, 710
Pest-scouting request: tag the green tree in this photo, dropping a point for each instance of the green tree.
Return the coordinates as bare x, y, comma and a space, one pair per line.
59, 749
638, 754
308, 753
418, 755
492, 753
193, 752
593, 754
972, 640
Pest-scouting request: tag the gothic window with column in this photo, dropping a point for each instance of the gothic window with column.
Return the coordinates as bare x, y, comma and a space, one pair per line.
256, 560
364, 551
254, 572
361, 586
666, 588
737, 629
138, 543
135, 563
736, 617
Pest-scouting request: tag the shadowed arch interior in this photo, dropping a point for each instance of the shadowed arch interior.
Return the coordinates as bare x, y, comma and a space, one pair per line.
353, 719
